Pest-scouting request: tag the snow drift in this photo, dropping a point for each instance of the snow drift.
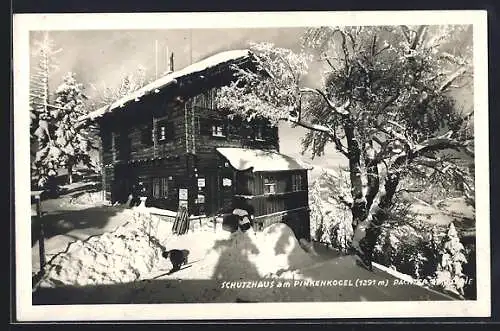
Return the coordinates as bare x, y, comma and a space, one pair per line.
128, 254
122, 256
247, 255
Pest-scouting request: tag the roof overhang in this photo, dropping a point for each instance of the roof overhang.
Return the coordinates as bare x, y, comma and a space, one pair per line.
259, 160
169, 80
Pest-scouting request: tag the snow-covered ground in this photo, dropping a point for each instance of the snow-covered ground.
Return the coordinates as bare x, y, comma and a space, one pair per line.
68, 219
102, 254
443, 212
126, 266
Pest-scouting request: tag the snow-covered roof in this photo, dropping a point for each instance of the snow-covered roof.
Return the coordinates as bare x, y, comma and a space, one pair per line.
170, 78
260, 160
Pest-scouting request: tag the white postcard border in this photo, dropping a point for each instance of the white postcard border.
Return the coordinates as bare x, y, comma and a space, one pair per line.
24, 23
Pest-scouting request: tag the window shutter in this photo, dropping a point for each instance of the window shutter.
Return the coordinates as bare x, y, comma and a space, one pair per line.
158, 131
170, 131
146, 135
156, 187
205, 127
246, 130
164, 187
225, 127
106, 140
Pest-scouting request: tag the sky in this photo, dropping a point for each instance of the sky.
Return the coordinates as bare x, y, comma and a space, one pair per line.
105, 56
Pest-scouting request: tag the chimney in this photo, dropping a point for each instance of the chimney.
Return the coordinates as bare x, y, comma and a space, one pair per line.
171, 62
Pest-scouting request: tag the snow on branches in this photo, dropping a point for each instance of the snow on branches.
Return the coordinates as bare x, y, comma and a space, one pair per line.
274, 92
449, 273
75, 144
385, 103
61, 144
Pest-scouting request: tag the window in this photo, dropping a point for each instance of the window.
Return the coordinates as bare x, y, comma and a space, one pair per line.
165, 130
106, 141
296, 182
269, 185
258, 133
160, 187
218, 129
156, 188
121, 145
147, 135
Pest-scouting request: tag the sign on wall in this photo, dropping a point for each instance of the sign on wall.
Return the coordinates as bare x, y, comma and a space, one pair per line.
183, 194
200, 198
226, 182
201, 182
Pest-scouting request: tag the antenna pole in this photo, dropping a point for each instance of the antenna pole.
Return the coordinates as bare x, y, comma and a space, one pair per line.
167, 67
156, 59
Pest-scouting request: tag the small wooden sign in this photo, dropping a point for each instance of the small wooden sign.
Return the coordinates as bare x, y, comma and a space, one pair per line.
183, 194
200, 198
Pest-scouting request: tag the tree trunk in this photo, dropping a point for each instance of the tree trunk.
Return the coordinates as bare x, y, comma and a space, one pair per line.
358, 208
379, 216
70, 173
373, 179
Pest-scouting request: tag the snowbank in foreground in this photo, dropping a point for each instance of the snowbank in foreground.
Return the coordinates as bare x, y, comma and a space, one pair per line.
122, 256
127, 255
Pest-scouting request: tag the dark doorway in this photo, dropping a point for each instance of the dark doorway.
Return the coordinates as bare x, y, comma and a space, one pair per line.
214, 191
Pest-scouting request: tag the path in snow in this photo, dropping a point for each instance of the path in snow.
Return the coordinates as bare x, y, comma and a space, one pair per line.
66, 222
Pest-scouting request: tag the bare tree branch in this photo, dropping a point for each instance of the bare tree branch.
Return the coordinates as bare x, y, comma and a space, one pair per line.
387, 46
320, 128
451, 79
311, 126
389, 101
329, 62
430, 145
342, 110
406, 33
452, 58
409, 190
345, 50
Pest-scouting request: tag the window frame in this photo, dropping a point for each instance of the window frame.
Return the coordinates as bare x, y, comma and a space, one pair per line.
107, 142
159, 187
215, 126
268, 182
259, 133
297, 183
163, 127
147, 135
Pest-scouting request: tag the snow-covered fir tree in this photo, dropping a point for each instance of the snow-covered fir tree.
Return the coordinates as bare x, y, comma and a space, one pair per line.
330, 221
317, 220
449, 272
74, 142
41, 121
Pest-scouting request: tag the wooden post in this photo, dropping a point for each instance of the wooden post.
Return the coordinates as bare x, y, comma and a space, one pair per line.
41, 237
